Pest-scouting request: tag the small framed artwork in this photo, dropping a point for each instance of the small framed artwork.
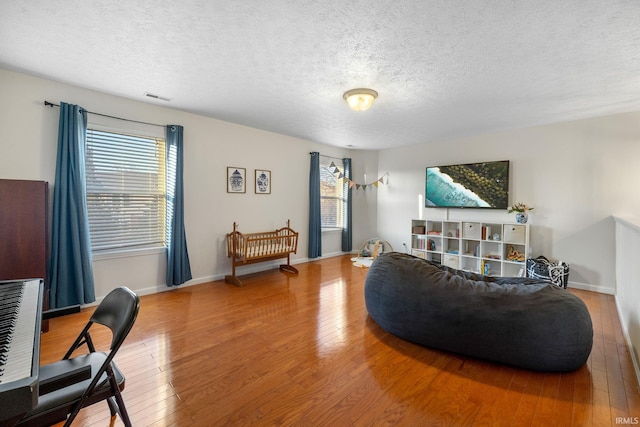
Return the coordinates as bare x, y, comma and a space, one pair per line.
263, 181
236, 180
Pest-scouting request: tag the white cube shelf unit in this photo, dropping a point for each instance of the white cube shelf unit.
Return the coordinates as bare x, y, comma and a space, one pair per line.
496, 249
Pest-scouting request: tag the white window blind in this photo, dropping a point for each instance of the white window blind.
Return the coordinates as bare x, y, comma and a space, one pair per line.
331, 198
125, 191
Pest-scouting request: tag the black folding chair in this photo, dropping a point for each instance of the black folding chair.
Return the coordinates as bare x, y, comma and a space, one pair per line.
77, 382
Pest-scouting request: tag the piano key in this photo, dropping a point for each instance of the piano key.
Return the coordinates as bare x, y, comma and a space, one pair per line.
19, 356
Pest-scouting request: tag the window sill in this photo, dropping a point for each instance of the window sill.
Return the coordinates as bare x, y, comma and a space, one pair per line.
331, 229
127, 253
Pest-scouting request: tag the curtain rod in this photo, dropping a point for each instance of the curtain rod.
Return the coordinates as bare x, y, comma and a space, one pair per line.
51, 104
328, 157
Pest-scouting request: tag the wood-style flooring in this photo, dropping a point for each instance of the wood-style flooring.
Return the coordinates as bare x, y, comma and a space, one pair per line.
301, 351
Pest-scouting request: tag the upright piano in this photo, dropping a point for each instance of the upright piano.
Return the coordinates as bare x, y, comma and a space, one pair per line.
20, 317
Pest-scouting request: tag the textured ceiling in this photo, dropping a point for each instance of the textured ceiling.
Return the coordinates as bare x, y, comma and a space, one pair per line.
443, 68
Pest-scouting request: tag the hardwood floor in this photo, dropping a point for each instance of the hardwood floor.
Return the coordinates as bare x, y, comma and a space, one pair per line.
301, 350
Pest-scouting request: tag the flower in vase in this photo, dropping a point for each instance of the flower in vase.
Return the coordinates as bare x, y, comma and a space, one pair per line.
519, 207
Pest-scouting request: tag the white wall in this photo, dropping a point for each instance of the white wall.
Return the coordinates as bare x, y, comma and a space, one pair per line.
628, 291
576, 175
365, 218
28, 139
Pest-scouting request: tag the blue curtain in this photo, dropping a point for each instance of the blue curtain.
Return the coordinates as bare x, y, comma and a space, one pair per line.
315, 218
178, 267
347, 229
70, 269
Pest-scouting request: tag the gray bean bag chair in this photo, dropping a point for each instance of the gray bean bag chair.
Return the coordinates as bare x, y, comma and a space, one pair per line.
517, 321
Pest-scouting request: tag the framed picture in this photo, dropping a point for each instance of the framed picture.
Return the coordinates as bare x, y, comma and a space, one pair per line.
263, 181
236, 180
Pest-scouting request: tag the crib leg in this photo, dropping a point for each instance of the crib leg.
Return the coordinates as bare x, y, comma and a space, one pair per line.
233, 280
288, 267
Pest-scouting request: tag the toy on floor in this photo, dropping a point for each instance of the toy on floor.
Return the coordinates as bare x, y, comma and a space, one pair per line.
369, 251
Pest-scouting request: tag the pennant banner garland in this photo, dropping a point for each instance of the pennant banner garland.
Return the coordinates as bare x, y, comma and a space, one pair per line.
384, 179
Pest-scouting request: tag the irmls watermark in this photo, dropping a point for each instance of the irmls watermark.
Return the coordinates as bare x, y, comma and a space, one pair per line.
628, 421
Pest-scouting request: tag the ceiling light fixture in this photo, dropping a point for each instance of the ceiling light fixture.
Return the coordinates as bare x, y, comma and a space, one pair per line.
360, 99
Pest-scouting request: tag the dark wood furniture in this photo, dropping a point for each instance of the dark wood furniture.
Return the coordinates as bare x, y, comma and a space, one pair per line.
24, 232
249, 248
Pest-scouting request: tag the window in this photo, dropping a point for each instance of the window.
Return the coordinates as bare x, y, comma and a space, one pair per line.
126, 191
333, 194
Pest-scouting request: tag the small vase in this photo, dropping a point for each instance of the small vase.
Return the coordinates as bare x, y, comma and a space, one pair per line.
522, 217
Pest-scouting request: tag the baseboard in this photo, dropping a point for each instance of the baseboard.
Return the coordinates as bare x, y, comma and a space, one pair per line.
161, 288
592, 288
634, 359
270, 265
250, 269
241, 271
331, 255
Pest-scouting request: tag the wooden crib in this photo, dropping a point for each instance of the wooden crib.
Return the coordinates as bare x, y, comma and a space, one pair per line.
250, 248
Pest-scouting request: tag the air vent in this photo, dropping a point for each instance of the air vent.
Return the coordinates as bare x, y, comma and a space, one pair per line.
151, 95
